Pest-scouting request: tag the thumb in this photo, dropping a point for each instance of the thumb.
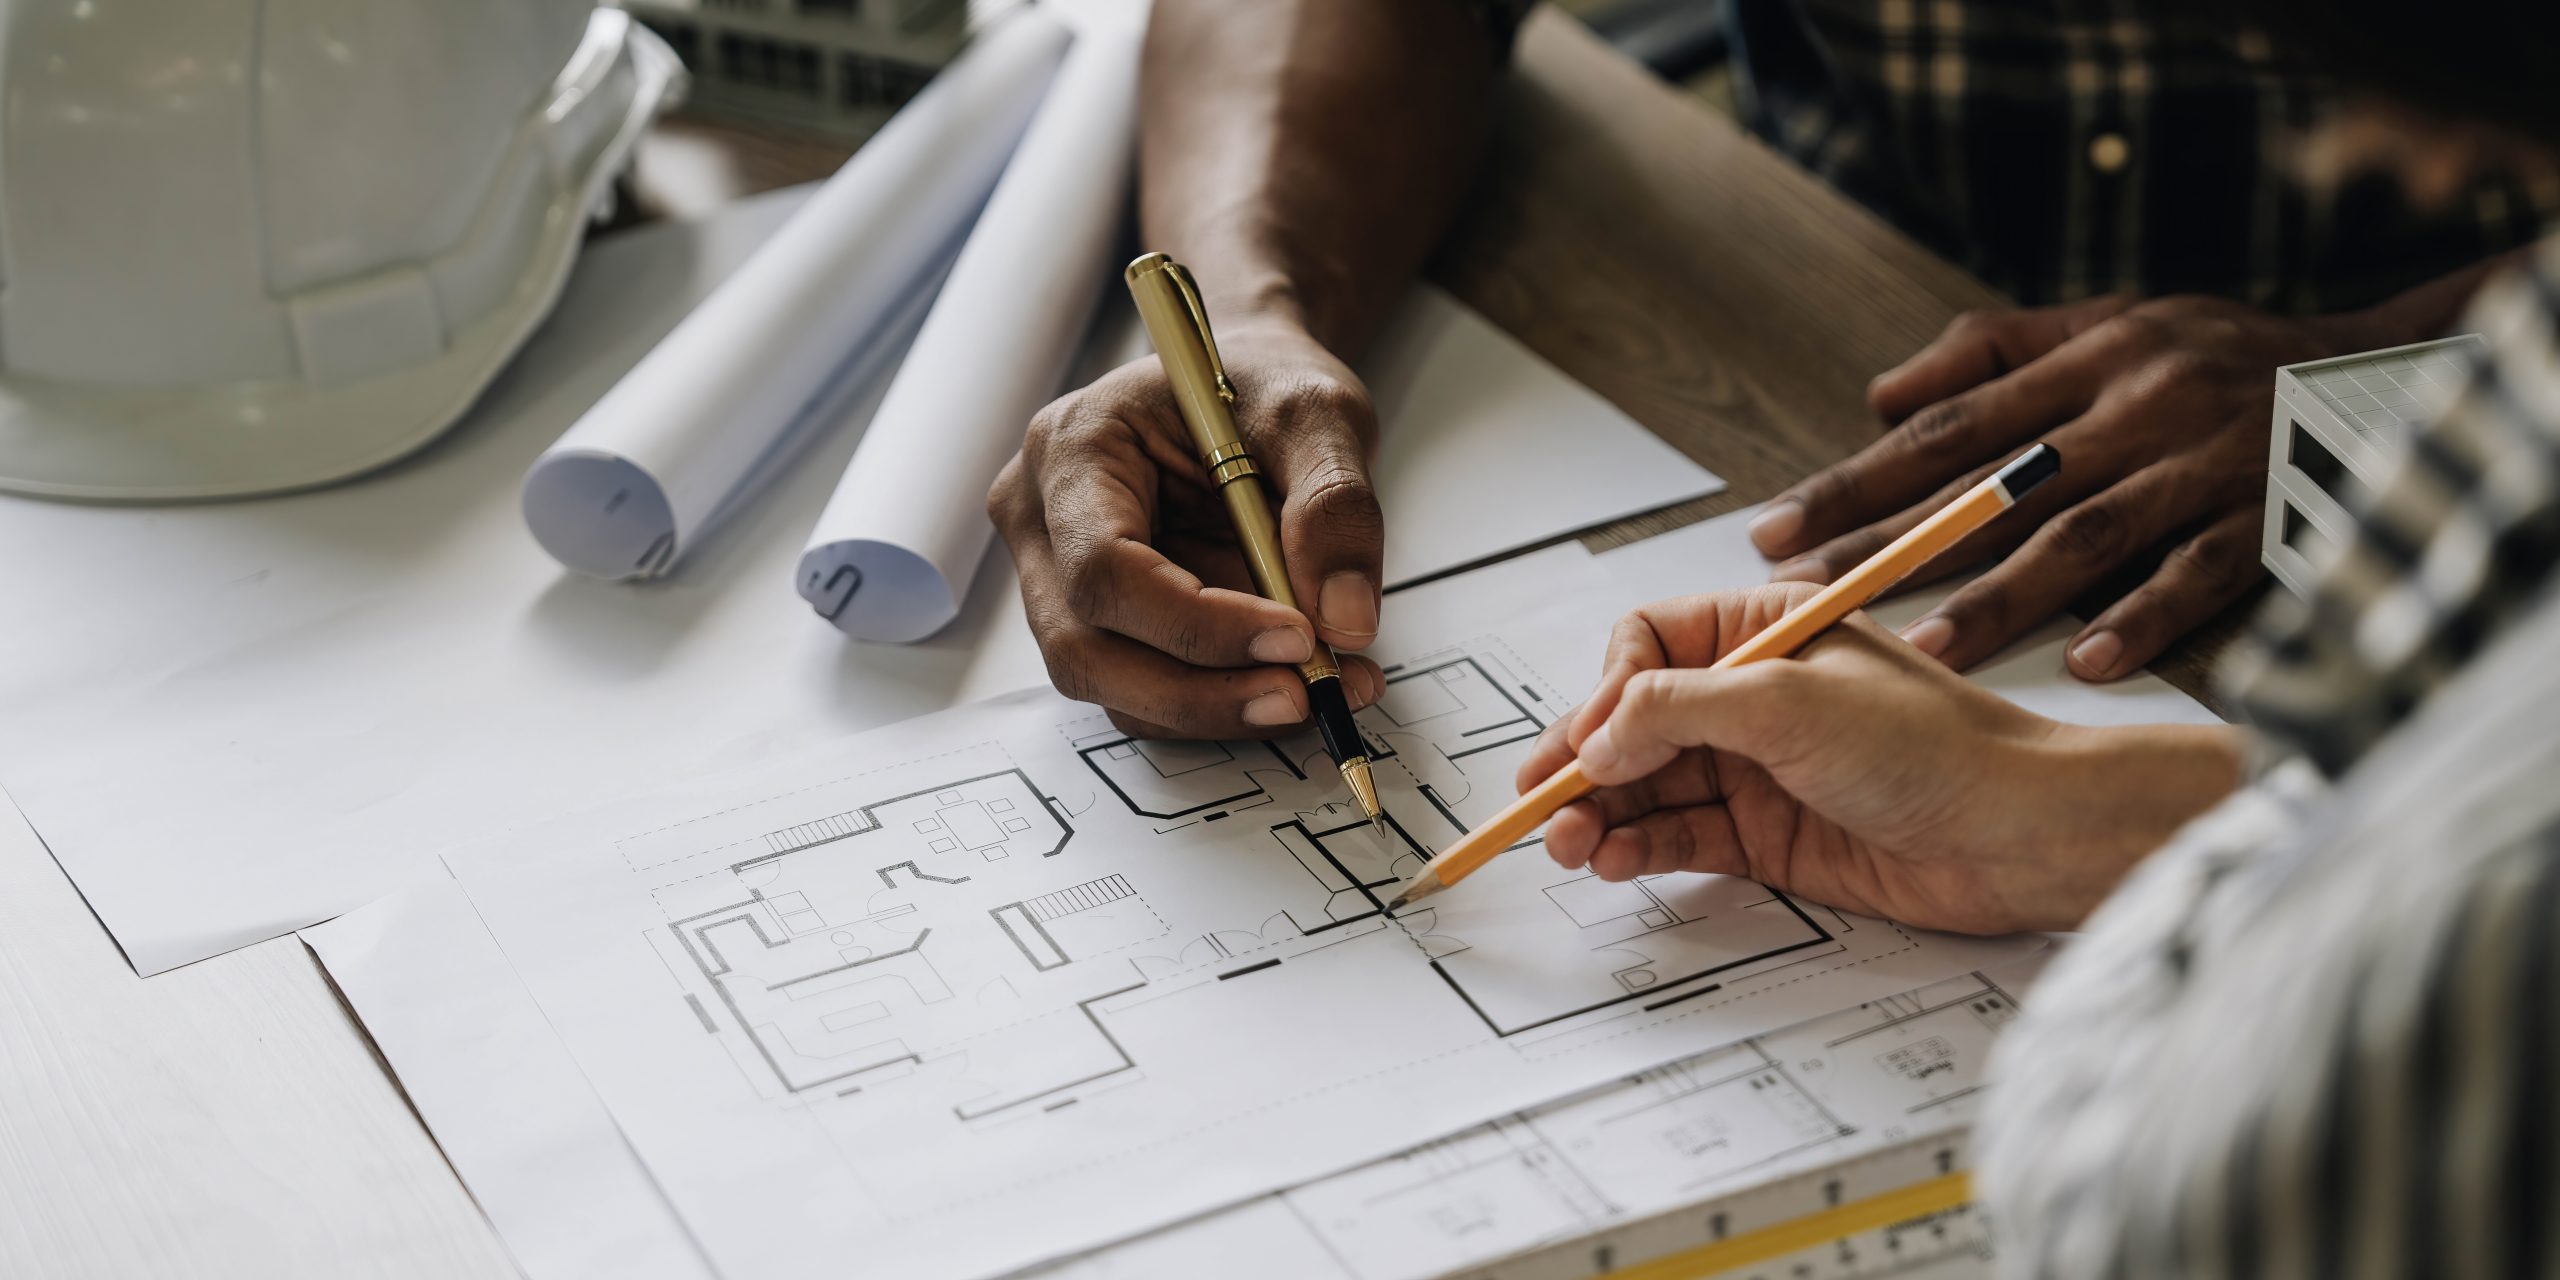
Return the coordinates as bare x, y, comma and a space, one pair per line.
1331, 530
1664, 712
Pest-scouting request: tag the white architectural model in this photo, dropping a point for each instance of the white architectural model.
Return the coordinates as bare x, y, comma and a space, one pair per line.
2338, 423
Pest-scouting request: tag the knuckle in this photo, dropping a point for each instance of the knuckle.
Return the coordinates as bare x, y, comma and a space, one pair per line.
1340, 499
1321, 398
1973, 322
2180, 366
1767, 696
1005, 498
1091, 593
1839, 485
1774, 682
2089, 532
2136, 328
1044, 425
1644, 696
1985, 602
1187, 637
2216, 559
1845, 553
1792, 594
1940, 427
1070, 663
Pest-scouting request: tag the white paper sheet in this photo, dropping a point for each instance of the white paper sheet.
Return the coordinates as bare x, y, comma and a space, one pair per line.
1328, 1228
1556, 454
1801, 1097
998, 984
444, 1006
893, 554
1678, 1138
635, 484
508, 1106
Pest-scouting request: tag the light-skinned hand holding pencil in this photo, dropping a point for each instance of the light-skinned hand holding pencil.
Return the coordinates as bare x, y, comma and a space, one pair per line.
1977, 507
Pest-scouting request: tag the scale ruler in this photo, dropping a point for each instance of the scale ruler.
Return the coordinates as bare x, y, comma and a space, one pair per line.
1904, 1211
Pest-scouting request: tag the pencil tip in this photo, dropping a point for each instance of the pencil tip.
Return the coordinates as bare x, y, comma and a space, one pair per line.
1423, 885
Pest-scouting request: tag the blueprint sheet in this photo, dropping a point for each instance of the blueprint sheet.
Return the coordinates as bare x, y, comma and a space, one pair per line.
495, 1064
1675, 1138
999, 984
544, 1160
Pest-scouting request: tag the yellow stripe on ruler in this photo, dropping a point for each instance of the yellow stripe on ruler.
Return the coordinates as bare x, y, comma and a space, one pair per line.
1919, 1200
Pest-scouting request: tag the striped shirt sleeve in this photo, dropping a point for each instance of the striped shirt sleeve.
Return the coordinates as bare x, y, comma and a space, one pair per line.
2318, 1034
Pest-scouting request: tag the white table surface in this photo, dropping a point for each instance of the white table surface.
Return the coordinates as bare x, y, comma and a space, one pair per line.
224, 1119
230, 1118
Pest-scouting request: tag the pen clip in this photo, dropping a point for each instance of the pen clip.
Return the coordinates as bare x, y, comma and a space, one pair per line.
1181, 276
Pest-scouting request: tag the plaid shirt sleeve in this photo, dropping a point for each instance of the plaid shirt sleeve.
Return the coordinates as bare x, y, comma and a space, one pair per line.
2456, 544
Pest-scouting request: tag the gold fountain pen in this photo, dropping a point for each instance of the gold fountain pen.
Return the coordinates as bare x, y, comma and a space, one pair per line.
1179, 327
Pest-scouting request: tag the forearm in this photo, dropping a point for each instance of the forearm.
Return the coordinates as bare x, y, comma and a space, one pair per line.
1301, 156
2122, 791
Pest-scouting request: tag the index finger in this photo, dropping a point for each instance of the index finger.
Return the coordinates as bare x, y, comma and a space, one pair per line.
1097, 503
1685, 631
1977, 347
1930, 448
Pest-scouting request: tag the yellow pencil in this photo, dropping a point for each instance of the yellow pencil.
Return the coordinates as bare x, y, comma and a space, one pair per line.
1943, 529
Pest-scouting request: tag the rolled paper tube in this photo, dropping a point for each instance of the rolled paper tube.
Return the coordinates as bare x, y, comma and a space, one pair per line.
893, 554
630, 488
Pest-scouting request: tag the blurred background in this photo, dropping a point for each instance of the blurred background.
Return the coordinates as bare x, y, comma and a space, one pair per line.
783, 89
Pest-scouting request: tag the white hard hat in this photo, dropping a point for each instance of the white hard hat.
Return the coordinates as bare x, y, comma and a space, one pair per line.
254, 245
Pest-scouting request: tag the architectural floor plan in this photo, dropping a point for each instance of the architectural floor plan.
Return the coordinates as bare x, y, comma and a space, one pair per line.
1496, 1201
1005, 967
1001, 989
856, 947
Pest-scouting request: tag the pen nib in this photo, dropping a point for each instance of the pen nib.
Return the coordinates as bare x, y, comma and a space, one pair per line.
1364, 788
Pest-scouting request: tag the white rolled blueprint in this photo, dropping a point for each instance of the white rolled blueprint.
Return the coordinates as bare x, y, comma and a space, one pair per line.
635, 483
892, 557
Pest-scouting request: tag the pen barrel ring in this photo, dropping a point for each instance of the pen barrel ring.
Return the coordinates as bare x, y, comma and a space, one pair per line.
1230, 462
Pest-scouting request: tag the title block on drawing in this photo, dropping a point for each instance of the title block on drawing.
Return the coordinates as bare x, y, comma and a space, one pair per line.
2338, 425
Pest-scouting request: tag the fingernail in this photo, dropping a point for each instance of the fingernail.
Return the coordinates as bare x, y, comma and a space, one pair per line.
1273, 708
2097, 656
1930, 635
1777, 524
1600, 750
1801, 569
1366, 687
1282, 644
1350, 604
